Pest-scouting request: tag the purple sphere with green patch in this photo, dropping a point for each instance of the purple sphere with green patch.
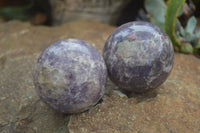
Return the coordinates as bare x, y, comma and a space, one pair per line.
139, 56
70, 76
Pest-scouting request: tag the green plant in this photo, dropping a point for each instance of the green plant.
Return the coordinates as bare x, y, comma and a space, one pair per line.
184, 40
172, 11
156, 10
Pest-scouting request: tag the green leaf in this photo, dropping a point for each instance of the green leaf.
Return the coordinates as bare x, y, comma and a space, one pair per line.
187, 48
197, 33
189, 32
156, 9
172, 12
191, 24
180, 12
189, 37
198, 44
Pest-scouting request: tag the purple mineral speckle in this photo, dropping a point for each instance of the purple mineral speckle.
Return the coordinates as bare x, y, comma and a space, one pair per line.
139, 56
70, 76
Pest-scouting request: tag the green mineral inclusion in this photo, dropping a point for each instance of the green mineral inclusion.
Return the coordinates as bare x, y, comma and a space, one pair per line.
127, 49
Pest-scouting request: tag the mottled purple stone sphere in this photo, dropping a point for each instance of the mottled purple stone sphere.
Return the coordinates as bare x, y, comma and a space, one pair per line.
139, 56
70, 76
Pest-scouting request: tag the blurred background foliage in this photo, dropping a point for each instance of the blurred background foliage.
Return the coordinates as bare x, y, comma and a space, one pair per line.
180, 19
36, 11
177, 18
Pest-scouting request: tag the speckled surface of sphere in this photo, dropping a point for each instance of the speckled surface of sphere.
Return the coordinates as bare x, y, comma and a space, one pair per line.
139, 56
70, 76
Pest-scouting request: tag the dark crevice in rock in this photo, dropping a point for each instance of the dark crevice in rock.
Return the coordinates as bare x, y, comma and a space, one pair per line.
141, 97
65, 128
68, 130
2, 62
109, 87
197, 55
100, 101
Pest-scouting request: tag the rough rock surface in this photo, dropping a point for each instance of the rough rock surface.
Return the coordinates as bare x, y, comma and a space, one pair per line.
21, 111
107, 11
173, 107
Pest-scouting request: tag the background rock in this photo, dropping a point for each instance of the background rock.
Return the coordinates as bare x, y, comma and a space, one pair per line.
21, 111
107, 11
173, 107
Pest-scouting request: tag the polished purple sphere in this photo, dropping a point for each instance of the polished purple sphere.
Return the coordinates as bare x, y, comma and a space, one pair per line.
139, 56
70, 76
